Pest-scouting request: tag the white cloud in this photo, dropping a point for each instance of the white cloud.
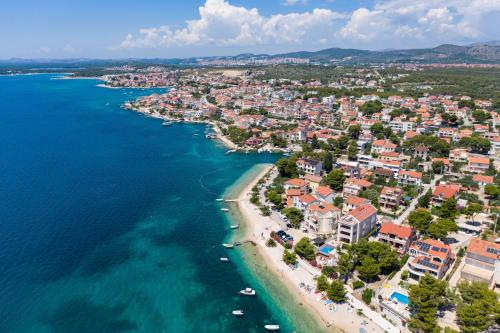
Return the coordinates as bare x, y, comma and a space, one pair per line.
222, 24
295, 2
388, 23
44, 50
68, 48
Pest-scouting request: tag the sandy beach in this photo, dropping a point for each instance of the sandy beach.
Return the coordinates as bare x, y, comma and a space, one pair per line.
332, 318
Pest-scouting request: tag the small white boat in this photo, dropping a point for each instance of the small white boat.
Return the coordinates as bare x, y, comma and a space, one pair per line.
225, 209
238, 313
230, 151
219, 199
247, 292
236, 226
167, 123
272, 327
224, 259
228, 246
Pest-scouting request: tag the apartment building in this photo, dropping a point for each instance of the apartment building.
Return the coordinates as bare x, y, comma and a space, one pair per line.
429, 257
399, 237
357, 224
482, 260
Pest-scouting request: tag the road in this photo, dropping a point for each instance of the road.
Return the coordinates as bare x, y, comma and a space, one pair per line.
414, 202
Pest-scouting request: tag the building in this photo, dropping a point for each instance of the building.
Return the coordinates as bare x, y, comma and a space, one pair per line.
357, 224
409, 177
429, 257
482, 259
354, 186
478, 164
303, 201
310, 167
483, 180
402, 126
313, 181
390, 197
380, 146
444, 192
353, 202
296, 184
324, 193
397, 236
421, 152
322, 218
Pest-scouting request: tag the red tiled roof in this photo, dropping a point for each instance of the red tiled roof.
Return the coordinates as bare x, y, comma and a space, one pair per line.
446, 191
396, 230
293, 192
296, 182
324, 191
363, 212
479, 160
356, 201
480, 247
307, 198
483, 179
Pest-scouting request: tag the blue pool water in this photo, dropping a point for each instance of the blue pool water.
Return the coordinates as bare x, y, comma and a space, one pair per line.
400, 297
326, 249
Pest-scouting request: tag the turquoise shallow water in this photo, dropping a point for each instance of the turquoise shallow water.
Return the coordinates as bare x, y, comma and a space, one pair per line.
108, 221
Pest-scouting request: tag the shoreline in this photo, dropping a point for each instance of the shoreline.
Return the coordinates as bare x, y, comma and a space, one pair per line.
257, 229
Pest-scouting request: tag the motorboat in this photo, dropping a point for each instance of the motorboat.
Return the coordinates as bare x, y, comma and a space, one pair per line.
219, 199
236, 226
225, 209
272, 327
228, 246
167, 123
224, 259
247, 292
230, 151
238, 313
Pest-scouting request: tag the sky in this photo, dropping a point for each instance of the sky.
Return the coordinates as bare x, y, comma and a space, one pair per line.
194, 28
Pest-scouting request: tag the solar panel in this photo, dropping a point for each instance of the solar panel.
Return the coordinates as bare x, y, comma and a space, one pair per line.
435, 248
444, 250
494, 251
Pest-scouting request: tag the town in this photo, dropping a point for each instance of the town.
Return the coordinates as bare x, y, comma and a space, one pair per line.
392, 200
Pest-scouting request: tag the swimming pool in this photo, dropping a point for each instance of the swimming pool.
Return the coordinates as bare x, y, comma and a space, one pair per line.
326, 250
400, 298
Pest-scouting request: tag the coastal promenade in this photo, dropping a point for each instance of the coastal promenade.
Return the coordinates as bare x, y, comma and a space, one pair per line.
344, 317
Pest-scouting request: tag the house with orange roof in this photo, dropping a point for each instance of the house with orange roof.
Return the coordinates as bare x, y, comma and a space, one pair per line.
483, 180
322, 218
354, 186
443, 192
429, 257
445, 161
409, 177
303, 201
297, 183
353, 202
313, 181
324, 193
399, 237
291, 194
477, 164
309, 166
481, 261
379, 146
390, 197
357, 224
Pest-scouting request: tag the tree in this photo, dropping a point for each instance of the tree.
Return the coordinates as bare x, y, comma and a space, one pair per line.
328, 162
294, 215
478, 307
345, 265
492, 190
369, 269
289, 258
354, 131
336, 291
481, 116
425, 199
472, 209
322, 283
426, 298
377, 129
367, 296
335, 179
338, 201
329, 271
270, 243
275, 198
441, 228
314, 142
475, 144
448, 209
305, 249
438, 167
420, 219
287, 167
371, 107
352, 151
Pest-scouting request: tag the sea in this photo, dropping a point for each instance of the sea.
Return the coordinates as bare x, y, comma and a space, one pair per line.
109, 220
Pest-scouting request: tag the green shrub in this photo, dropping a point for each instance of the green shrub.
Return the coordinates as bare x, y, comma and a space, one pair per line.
357, 284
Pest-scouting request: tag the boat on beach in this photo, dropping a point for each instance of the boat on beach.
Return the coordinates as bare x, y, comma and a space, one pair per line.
272, 327
224, 259
228, 246
238, 313
247, 292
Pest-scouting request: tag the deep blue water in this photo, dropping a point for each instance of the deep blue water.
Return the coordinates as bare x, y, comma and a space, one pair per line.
108, 220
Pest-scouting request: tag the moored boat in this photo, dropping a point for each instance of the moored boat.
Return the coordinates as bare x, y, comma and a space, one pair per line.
236, 226
225, 209
224, 259
238, 313
272, 327
228, 246
219, 199
247, 292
